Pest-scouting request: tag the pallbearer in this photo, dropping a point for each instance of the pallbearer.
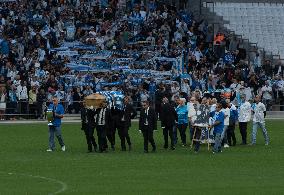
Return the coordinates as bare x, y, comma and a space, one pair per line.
102, 118
88, 125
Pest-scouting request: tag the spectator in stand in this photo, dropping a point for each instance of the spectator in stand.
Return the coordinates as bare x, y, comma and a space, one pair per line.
266, 94
32, 100
41, 99
22, 95
3, 103
12, 102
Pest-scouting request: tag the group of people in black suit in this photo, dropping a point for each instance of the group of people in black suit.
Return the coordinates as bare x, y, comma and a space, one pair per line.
106, 121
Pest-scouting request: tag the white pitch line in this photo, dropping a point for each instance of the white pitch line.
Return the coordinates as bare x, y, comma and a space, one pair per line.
63, 185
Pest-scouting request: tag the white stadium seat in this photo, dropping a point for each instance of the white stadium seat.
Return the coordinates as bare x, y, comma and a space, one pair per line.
261, 23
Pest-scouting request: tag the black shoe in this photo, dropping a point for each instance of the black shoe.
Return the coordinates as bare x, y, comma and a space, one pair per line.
173, 148
166, 146
243, 144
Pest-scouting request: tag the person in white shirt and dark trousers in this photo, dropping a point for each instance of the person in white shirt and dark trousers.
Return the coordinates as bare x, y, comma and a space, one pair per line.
226, 111
232, 124
259, 113
244, 118
22, 95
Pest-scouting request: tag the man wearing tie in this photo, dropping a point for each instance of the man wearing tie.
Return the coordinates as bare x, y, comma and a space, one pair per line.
55, 128
128, 113
147, 124
102, 118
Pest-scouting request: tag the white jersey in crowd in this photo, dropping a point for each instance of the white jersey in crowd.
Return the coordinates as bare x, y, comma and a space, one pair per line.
213, 108
266, 92
22, 92
226, 112
191, 112
245, 112
259, 109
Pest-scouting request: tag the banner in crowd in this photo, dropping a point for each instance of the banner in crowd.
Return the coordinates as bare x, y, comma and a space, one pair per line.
114, 98
67, 53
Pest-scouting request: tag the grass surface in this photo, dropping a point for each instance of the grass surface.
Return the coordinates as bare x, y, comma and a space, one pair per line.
26, 167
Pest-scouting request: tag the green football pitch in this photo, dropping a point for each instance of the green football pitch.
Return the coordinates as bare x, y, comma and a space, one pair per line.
26, 167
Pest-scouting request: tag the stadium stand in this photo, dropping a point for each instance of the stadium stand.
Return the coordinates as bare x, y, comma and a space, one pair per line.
147, 49
261, 23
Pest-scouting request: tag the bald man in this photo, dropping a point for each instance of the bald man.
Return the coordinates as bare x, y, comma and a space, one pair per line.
55, 128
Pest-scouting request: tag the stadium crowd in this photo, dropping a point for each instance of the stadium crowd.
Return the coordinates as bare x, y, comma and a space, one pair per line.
32, 70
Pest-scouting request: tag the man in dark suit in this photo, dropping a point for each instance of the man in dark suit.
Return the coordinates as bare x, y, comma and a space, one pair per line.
102, 118
88, 125
168, 118
127, 114
114, 123
147, 124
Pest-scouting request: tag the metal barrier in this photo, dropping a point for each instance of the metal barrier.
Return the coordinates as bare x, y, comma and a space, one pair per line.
15, 110
36, 111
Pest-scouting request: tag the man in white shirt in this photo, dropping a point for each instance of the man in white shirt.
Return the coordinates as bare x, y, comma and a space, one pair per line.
259, 112
22, 95
266, 92
244, 118
226, 111
235, 85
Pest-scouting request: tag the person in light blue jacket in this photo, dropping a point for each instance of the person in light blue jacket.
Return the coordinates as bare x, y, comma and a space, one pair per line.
182, 122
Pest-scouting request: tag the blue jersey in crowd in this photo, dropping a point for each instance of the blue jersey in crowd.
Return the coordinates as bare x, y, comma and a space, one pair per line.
182, 113
218, 116
58, 110
233, 115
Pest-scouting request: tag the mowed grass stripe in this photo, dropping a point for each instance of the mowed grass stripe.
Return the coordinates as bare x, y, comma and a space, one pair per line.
238, 170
